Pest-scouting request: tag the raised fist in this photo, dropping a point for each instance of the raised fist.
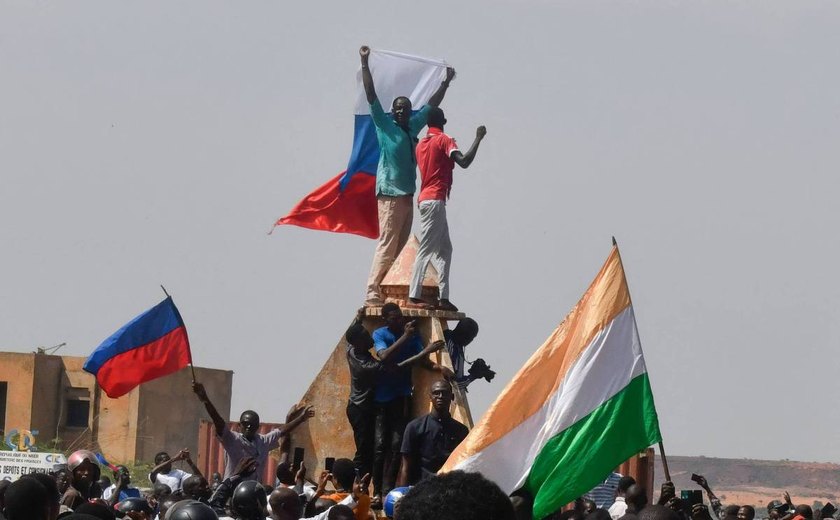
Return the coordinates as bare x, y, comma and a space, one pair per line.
199, 390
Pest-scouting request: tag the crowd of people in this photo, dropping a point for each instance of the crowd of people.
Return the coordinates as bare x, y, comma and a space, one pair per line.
81, 492
392, 452
395, 454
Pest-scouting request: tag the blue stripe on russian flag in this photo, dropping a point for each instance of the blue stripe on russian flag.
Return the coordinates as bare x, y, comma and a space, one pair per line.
364, 157
146, 328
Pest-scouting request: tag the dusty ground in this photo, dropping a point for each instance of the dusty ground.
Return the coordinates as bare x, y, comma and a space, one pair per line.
756, 482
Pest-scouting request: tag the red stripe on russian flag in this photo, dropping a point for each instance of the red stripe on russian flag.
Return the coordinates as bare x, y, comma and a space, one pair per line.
329, 208
168, 354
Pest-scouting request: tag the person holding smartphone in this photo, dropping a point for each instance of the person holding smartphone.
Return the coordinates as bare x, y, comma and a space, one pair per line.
397, 341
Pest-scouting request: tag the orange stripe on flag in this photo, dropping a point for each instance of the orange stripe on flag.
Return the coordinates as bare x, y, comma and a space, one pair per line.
542, 375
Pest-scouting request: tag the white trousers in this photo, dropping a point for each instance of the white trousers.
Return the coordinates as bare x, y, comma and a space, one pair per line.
435, 247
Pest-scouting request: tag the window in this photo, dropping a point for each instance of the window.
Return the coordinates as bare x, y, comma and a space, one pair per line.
78, 412
4, 390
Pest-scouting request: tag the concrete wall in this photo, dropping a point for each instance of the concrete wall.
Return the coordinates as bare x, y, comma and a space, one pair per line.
159, 415
46, 397
169, 414
76, 383
18, 370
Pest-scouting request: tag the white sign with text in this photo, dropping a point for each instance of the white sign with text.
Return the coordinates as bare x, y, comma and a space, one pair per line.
15, 464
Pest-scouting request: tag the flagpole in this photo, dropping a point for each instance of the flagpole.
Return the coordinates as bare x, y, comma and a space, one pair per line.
629, 297
189, 349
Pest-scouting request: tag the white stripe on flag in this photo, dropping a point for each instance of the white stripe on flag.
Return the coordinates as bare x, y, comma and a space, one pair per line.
603, 369
396, 74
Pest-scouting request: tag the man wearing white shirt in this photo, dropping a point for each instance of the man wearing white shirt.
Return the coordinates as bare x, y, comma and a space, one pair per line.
164, 473
619, 507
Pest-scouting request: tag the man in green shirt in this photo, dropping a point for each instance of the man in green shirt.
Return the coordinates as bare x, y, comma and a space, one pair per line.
396, 173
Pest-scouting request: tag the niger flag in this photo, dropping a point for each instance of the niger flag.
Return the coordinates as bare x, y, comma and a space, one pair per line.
579, 407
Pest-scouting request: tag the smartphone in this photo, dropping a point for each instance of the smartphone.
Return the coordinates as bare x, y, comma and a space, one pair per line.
782, 508
695, 477
328, 463
828, 510
298, 459
690, 497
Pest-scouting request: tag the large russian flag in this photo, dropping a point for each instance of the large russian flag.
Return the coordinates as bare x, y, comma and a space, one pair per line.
347, 202
579, 407
152, 345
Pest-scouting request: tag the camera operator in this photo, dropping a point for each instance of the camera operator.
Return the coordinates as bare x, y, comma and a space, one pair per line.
456, 340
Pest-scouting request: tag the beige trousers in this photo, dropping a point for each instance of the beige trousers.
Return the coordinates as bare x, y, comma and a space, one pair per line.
395, 215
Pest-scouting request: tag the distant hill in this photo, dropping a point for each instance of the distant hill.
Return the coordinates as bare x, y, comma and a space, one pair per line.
756, 482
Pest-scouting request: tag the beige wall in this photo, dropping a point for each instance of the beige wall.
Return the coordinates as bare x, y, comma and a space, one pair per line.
159, 415
170, 414
18, 370
46, 394
77, 383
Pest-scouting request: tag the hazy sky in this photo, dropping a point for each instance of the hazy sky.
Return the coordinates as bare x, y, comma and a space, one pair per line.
156, 142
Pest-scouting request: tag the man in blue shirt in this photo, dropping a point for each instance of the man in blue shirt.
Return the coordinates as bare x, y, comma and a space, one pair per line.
397, 341
396, 173
121, 489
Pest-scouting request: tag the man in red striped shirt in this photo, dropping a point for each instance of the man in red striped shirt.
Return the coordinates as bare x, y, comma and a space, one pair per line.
437, 154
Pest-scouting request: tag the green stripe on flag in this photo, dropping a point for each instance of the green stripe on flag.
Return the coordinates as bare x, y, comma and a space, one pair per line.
580, 457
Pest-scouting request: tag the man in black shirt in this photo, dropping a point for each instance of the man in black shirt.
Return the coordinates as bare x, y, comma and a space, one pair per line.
360, 407
456, 341
429, 440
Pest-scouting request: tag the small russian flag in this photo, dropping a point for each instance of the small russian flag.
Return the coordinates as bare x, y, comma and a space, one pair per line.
152, 345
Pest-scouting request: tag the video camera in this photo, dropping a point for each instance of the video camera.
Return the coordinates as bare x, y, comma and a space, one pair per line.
479, 369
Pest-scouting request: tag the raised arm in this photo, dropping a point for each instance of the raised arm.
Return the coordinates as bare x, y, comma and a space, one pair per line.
119, 485
445, 372
309, 508
465, 160
367, 79
218, 422
667, 492
297, 416
431, 348
153, 473
437, 97
360, 316
713, 499
422, 358
408, 333
186, 458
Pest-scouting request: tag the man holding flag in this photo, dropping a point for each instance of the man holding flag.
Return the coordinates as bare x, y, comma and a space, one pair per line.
396, 172
368, 197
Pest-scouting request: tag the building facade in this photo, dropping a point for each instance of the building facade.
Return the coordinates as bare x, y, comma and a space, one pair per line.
53, 396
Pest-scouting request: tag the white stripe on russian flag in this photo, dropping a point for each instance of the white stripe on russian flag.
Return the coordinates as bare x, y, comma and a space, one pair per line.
396, 74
